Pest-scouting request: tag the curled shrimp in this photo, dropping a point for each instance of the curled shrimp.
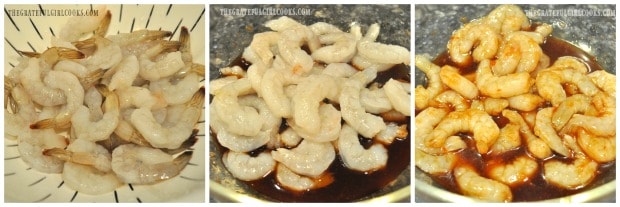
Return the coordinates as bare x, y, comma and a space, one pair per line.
398, 94
574, 175
599, 149
463, 41
501, 86
549, 84
173, 136
308, 158
85, 128
604, 80
330, 119
434, 164
544, 129
87, 78
484, 129
525, 102
424, 95
290, 51
291, 180
74, 92
246, 167
306, 102
472, 184
519, 52
138, 37
125, 73
341, 48
78, 26
31, 149
536, 146
355, 157
30, 78
375, 100
508, 139
368, 125
577, 103
392, 131
234, 115
425, 122
600, 125
168, 65
516, 172
88, 180
450, 99
144, 165
52, 55
383, 53
506, 19
260, 50
83, 152
177, 92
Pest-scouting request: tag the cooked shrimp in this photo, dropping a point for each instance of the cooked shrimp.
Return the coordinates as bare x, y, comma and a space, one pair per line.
398, 94
88, 180
424, 95
368, 125
83, 152
544, 130
169, 137
96, 130
306, 102
525, 102
484, 129
341, 47
549, 84
392, 131
516, 172
74, 92
501, 86
601, 125
485, 40
599, 149
604, 80
291, 180
168, 65
355, 156
40, 93
434, 164
144, 165
308, 158
506, 19
519, 52
330, 119
577, 103
78, 26
126, 72
508, 139
245, 167
375, 100
425, 121
472, 184
383, 53
536, 146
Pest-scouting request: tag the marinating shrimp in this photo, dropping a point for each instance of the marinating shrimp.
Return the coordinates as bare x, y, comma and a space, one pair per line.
577, 103
375, 100
516, 172
272, 90
501, 86
235, 142
306, 102
434, 164
536, 146
246, 167
234, 115
472, 184
355, 156
125, 73
341, 48
450, 99
525, 102
383, 53
169, 137
508, 139
484, 129
398, 94
494, 106
96, 130
144, 165
485, 40
601, 125
286, 139
570, 62
290, 51
330, 119
168, 65
599, 149
83, 152
519, 52
425, 122
260, 49
392, 131
544, 129
424, 95
88, 180
289, 179
74, 92
308, 158
580, 172
549, 84
506, 19
368, 125
604, 80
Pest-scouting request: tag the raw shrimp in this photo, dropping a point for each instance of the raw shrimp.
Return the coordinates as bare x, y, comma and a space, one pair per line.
40, 93
31, 150
451, 77
53, 55
139, 97
233, 71
286, 139
233, 115
329, 119
424, 95
383, 53
508, 139
363, 64
289, 179
126, 72
260, 49
525, 102
501, 86
126, 132
83, 152
290, 51
434, 164
179, 92
138, 37
368, 125
392, 131
398, 94
485, 40
321, 28
308, 158
506, 19
169, 137
307, 101
536, 146
272, 90
425, 121
341, 48
577, 103
549, 84
519, 52
484, 129
96, 130
87, 78
106, 56
144, 165
355, 156
88, 180
216, 84
605, 81
570, 62
580, 172
375, 100
339, 70
474, 185
599, 149
450, 99
74, 92
494, 106
245, 167
22, 112
516, 172
168, 65
601, 125
544, 130
282, 23
78, 26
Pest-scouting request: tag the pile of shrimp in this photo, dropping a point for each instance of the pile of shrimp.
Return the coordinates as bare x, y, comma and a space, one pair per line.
106, 110
309, 94
555, 111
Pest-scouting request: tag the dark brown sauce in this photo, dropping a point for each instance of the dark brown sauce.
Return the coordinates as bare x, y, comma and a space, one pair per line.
347, 185
536, 188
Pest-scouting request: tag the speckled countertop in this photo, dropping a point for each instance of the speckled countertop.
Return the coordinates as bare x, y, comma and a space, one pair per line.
597, 34
230, 34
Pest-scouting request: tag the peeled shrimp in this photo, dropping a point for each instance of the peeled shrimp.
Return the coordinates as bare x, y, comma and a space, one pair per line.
235, 142
308, 158
516, 172
570, 62
604, 80
289, 179
355, 157
88, 180
450, 99
138, 37
216, 84
599, 149
525, 102
126, 72
287, 139
450, 76
260, 50
506, 19
233, 115
601, 125
424, 95
169, 137
474, 185
544, 129
330, 119
399, 96
519, 53
272, 90
31, 150
580, 172
178, 93
282, 23
508, 139
74, 92
383, 53
425, 121
494, 106
40, 93
87, 78
144, 165
341, 48
572, 105
536, 146
375, 100
339, 70
463, 41
96, 130
290, 51
139, 97
391, 132
245, 167
549, 84
78, 26
368, 125
164, 67
106, 56
484, 129
501, 86
84, 152
434, 164
306, 102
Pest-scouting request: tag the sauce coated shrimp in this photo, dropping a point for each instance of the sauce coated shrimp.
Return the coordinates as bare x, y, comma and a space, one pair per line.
501, 86
516, 172
549, 84
308, 158
472, 184
463, 41
434, 164
507, 18
536, 146
289, 179
424, 95
544, 129
518, 53
484, 129
425, 122
600, 149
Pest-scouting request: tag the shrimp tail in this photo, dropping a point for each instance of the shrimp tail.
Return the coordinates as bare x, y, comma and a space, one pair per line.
184, 38
198, 99
181, 161
44, 124
103, 25
198, 69
30, 54
186, 145
68, 53
59, 153
92, 77
103, 90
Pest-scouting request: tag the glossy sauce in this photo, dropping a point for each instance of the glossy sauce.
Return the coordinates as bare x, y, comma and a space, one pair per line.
347, 185
536, 188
